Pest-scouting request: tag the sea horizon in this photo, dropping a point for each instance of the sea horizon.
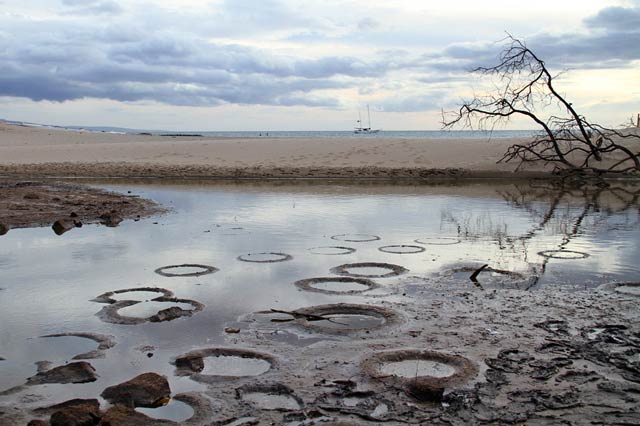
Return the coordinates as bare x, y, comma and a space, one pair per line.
305, 134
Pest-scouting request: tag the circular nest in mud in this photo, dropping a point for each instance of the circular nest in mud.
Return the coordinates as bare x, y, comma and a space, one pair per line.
394, 270
334, 318
111, 315
307, 284
402, 249
206, 269
192, 363
625, 288
563, 254
275, 257
355, 238
438, 241
108, 296
287, 400
337, 250
448, 370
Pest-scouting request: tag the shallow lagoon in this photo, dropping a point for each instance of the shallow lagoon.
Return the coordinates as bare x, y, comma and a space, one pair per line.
48, 281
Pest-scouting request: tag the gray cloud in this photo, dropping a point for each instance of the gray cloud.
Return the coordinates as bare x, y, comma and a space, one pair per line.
157, 56
92, 7
616, 19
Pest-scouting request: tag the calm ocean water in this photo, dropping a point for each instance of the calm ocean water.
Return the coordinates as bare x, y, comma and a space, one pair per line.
395, 134
319, 134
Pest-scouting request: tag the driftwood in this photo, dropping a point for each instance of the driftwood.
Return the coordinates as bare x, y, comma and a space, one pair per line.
296, 315
474, 276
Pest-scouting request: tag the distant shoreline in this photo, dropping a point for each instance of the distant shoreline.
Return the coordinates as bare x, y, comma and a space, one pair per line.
35, 152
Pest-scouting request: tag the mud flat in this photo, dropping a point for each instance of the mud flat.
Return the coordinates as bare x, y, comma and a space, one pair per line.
26, 204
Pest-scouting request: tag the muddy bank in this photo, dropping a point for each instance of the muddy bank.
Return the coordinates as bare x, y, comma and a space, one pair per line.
32, 204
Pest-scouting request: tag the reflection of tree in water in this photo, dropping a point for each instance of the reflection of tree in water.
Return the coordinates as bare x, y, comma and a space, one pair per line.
556, 209
567, 207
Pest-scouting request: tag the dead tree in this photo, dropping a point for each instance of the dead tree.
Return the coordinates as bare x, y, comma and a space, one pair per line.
567, 140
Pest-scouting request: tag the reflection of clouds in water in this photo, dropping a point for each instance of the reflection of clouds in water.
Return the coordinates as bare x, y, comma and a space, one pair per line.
97, 251
58, 275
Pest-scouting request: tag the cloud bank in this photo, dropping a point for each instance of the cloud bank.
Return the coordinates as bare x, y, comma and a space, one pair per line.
270, 52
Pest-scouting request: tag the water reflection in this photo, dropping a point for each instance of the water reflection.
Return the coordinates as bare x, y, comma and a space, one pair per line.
47, 280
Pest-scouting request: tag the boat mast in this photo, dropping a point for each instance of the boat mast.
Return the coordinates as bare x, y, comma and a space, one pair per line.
369, 115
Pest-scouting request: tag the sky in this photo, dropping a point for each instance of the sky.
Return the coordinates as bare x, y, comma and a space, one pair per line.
300, 65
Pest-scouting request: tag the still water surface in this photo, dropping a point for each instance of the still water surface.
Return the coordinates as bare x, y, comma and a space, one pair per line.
48, 281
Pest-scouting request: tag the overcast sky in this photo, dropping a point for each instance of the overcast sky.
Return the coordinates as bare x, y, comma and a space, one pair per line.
298, 65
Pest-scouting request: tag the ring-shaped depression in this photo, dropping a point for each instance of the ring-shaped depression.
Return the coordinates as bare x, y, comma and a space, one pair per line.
341, 285
266, 257
438, 241
368, 270
402, 249
355, 238
332, 250
203, 270
563, 254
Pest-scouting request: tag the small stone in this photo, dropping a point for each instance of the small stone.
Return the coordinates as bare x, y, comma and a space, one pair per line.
169, 314
3, 229
193, 363
61, 226
232, 330
145, 390
75, 372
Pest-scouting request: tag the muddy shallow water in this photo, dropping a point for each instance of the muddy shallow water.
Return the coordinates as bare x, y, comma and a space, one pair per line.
259, 239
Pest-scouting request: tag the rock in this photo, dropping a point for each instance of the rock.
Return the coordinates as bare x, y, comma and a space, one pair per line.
193, 363
61, 226
424, 390
3, 229
110, 219
232, 330
75, 372
169, 314
146, 390
37, 423
76, 412
124, 416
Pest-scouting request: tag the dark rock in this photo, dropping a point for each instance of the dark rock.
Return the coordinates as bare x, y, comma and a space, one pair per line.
61, 226
3, 229
31, 196
232, 330
73, 214
110, 219
170, 314
146, 390
192, 363
124, 416
424, 391
75, 372
37, 423
77, 412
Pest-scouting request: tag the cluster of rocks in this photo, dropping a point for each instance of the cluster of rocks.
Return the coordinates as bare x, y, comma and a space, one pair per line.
146, 390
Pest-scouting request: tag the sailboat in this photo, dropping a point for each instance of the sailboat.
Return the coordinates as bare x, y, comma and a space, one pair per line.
360, 129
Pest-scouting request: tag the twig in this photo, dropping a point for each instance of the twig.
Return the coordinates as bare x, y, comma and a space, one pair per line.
474, 276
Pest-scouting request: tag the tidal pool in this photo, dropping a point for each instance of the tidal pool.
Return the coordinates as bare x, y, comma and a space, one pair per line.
48, 280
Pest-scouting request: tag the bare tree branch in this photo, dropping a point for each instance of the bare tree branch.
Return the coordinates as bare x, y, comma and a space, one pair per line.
567, 141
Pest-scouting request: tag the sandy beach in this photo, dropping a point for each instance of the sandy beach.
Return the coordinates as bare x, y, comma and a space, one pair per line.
31, 151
